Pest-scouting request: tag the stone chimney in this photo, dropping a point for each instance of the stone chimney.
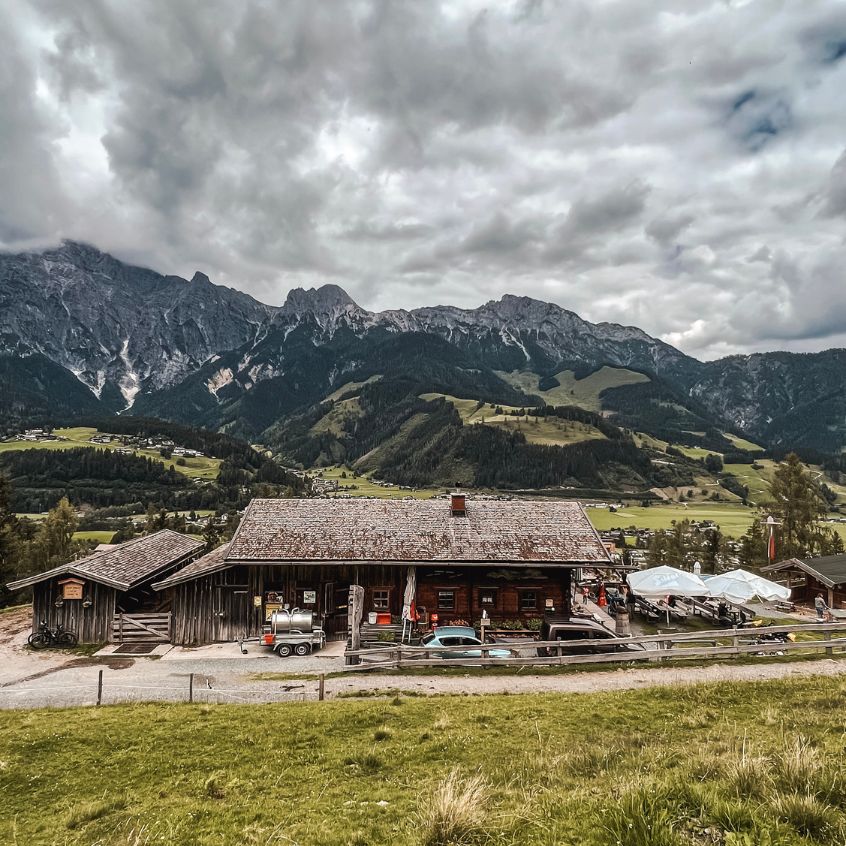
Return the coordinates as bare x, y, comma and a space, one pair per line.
457, 505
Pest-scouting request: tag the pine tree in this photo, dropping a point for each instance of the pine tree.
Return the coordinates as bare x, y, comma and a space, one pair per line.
753, 546
9, 539
211, 535
799, 506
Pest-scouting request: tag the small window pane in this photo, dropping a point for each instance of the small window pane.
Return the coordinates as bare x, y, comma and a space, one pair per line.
528, 600
381, 599
488, 597
446, 600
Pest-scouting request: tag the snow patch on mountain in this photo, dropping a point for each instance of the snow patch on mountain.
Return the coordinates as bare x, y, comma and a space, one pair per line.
129, 383
220, 379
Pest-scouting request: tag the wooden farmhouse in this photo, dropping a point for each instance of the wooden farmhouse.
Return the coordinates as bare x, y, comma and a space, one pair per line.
99, 596
808, 577
454, 559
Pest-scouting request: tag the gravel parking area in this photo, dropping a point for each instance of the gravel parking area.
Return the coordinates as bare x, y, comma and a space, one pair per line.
223, 674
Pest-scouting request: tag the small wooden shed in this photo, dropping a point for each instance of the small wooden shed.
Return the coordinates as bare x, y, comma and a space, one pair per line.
94, 596
809, 576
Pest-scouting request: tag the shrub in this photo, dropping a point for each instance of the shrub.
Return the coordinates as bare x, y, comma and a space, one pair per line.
806, 814
213, 786
748, 776
367, 763
89, 811
642, 818
455, 813
797, 766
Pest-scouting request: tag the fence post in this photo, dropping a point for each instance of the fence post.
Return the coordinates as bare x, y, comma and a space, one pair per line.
100, 687
321, 687
734, 641
190, 687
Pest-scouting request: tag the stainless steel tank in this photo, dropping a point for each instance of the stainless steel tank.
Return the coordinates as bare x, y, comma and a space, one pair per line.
298, 619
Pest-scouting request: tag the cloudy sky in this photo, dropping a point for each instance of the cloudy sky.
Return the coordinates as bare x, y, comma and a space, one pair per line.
680, 166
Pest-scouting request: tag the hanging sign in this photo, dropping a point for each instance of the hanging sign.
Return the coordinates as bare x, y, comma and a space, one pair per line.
72, 588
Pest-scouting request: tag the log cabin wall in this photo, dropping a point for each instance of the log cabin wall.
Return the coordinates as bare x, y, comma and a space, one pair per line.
91, 625
460, 595
221, 606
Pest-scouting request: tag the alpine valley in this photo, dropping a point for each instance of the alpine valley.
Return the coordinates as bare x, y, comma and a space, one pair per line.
515, 393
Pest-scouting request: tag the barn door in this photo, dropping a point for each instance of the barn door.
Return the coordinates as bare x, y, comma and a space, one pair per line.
232, 612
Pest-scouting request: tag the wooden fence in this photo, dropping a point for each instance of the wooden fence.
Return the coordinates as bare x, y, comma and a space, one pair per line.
141, 628
658, 647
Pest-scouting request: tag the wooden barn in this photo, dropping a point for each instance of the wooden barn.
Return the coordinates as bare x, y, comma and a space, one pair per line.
108, 595
808, 577
455, 559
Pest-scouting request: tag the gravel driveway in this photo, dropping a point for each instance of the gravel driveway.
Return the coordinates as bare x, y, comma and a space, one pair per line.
222, 674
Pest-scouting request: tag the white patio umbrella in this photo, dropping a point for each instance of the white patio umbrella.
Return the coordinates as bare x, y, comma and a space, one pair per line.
664, 581
740, 586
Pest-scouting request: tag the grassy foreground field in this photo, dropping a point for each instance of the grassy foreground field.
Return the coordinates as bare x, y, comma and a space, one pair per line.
732, 764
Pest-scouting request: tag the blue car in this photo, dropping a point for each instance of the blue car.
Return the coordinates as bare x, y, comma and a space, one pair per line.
460, 636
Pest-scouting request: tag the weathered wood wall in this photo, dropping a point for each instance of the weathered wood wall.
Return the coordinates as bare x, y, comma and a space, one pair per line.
90, 625
219, 607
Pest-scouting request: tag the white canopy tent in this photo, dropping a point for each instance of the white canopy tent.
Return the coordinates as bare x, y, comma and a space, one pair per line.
739, 586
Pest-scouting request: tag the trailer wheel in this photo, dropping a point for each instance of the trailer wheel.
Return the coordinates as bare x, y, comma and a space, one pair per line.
283, 650
302, 649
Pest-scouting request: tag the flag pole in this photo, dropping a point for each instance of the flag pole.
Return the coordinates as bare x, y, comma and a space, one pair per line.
771, 523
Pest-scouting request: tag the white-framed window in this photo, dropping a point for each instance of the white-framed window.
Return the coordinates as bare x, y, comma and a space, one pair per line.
488, 597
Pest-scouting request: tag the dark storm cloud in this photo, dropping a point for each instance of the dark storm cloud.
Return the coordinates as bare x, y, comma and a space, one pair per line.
607, 155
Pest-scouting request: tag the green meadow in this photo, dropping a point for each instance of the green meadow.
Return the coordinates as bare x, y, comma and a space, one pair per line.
79, 436
735, 764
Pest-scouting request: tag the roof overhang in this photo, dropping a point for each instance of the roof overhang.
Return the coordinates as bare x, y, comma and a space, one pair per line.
71, 570
67, 569
605, 564
805, 567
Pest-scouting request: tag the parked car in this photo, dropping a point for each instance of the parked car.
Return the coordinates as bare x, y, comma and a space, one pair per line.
599, 638
459, 636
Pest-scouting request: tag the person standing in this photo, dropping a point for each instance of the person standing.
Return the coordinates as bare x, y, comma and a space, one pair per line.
819, 604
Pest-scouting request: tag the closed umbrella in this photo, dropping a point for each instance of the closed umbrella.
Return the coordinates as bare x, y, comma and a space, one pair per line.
740, 586
409, 609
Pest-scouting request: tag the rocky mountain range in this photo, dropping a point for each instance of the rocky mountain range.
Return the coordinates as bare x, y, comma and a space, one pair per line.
81, 332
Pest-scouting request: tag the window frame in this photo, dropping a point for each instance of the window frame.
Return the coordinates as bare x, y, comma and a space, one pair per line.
376, 602
438, 601
494, 592
522, 594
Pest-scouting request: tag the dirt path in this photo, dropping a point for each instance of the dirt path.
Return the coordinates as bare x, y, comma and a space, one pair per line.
585, 682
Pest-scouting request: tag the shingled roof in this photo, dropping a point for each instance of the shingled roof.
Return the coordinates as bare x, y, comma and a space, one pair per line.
211, 562
127, 564
507, 531
829, 570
